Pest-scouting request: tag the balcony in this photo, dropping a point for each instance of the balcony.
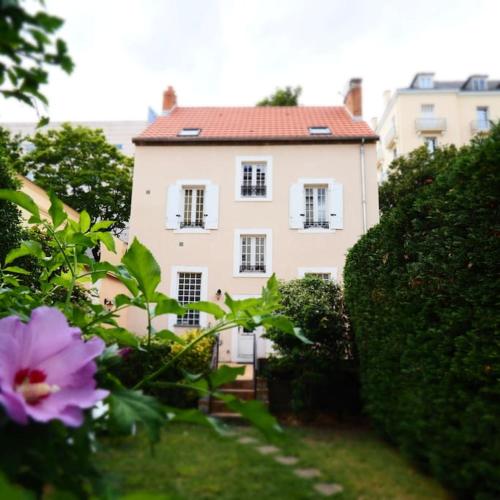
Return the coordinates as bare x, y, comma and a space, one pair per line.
390, 138
192, 224
253, 191
247, 268
323, 224
430, 124
478, 126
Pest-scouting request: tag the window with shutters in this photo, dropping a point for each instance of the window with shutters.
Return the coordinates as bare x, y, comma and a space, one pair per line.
194, 215
192, 205
316, 207
252, 252
253, 180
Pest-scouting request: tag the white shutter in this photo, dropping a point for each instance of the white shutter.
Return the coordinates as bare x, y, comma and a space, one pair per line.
173, 215
211, 208
296, 206
335, 192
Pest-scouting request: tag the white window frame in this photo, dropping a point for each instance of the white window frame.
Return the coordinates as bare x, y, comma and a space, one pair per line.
238, 178
192, 183
328, 182
427, 110
238, 233
425, 82
332, 271
479, 84
174, 293
428, 140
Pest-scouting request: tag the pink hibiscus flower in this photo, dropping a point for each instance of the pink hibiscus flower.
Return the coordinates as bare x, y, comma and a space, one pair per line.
46, 369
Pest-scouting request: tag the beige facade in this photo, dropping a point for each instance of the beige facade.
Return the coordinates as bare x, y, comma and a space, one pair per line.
118, 133
108, 287
435, 113
215, 251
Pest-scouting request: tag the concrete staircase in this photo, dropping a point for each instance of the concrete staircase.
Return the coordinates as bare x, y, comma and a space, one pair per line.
242, 388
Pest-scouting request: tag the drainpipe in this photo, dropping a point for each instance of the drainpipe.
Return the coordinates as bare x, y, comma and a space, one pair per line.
363, 181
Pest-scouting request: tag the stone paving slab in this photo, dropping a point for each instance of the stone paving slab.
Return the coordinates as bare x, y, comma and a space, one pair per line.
307, 473
328, 489
247, 440
267, 450
286, 460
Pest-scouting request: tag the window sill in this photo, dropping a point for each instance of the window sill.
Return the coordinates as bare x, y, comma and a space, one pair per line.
316, 230
253, 198
191, 230
182, 325
267, 274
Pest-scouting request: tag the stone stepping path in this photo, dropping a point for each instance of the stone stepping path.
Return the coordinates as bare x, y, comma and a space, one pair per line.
286, 460
307, 473
328, 489
267, 450
247, 440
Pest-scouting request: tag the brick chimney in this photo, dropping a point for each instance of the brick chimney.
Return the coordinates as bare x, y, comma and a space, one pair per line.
169, 100
353, 98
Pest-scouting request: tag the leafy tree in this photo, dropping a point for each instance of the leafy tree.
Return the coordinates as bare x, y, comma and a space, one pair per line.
84, 171
27, 49
287, 96
10, 217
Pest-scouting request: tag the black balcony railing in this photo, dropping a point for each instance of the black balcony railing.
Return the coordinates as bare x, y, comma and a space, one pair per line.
196, 223
247, 268
253, 190
317, 223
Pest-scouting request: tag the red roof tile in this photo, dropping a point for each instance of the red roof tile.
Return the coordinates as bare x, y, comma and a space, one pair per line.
255, 123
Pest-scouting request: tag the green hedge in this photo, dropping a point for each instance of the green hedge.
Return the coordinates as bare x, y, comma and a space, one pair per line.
423, 292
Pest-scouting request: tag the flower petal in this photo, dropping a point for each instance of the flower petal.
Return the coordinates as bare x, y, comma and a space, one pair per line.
15, 406
10, 330
45, 335
62, 365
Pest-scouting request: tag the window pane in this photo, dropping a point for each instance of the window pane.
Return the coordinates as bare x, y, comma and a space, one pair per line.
200, 193
188, 205
253, 254
253, 179
316, 214
189, 290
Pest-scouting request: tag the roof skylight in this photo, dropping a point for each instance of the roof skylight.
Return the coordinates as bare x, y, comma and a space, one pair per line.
189, 132
320, 130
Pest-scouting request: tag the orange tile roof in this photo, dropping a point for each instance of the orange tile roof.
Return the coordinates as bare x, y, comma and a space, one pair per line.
285, 123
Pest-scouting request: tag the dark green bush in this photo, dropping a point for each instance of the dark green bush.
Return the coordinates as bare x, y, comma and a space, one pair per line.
315, 375
10, 216
423, 292
138, 363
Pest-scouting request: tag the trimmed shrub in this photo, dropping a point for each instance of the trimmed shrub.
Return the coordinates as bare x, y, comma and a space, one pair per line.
313, 377
423, 292
138, 363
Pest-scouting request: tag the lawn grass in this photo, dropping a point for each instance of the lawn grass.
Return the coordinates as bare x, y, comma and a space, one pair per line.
192, 462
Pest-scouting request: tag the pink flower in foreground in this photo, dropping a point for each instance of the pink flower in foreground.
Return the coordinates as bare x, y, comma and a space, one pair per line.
46, 369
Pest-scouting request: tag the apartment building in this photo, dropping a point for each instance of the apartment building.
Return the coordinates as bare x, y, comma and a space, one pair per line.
433, 112
118, 133
225, 197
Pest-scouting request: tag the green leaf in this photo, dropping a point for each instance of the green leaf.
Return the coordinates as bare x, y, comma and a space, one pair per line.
119, 335
208, 307
141, 264
56, 210
122, 299
16, 269
28, 247
107, 239
102, 224
23, 200
167, 305
225, 374
170, 336
255, 412
44, 120
129, 408
84, 221
194, 416
13, 492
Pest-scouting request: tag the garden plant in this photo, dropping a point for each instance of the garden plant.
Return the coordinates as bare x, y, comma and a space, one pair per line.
59, 388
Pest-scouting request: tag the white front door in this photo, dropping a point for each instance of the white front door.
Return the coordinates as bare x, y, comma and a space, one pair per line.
244, 346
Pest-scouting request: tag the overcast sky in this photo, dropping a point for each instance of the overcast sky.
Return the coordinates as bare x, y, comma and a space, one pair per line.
234, 52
